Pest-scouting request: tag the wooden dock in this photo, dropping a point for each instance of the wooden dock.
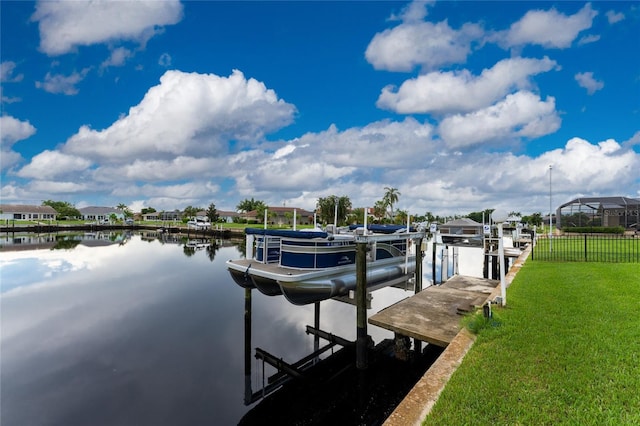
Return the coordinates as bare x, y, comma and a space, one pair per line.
434, 314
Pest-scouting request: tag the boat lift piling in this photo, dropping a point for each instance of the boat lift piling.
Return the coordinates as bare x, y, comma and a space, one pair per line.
248, 393
417, 344
362, 338
316, 323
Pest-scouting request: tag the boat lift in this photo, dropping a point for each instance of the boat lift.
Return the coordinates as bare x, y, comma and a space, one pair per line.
289, 371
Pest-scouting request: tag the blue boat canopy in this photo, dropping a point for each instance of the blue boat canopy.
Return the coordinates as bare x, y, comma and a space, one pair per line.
287, 233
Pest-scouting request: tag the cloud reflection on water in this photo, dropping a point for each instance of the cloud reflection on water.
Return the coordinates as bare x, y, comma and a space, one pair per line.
143, 334
132, 328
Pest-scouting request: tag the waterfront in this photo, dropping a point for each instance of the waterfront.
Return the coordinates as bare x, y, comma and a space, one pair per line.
122, 329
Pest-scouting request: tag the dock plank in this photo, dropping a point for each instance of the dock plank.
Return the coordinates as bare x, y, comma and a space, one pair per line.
434, 314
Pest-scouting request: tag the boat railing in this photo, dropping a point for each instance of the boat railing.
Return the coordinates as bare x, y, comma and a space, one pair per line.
334, 251
392, 249
267, 248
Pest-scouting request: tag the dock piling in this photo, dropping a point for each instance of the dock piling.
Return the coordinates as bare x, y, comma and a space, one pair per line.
316, 323
248, 392
361, 306
417, 344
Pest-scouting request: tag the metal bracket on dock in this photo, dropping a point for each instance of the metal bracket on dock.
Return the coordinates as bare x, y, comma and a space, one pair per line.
287, 371
332, 338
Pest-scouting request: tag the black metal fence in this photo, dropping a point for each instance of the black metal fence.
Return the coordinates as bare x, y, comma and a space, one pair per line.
588, 248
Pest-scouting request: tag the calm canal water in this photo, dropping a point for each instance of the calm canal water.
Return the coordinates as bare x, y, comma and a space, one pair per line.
113, 329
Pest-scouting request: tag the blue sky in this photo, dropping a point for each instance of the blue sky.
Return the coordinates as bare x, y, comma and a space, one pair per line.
461, 106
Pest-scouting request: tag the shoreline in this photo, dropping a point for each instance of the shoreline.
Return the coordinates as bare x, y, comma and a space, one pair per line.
51, 228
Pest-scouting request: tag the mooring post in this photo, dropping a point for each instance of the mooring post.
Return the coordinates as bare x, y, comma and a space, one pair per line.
456, 269
433, 262
361, 306
485, 263
495, 260
248, 392
444, 264
418, 278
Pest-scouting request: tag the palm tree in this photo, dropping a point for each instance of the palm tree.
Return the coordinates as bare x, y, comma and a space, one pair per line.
380, 209
391, 196
401, 217
326, 208
125, 210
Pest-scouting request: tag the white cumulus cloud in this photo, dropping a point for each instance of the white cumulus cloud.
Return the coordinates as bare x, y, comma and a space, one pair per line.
190, 190
320, 160
49, 187
587, 81
117, 58
519, 115
447, 92
425, 44
594, 167
58, 83
7, 75
187, 114
547, 28
50, 164
614, 17
12, 130
64, 25
149, 170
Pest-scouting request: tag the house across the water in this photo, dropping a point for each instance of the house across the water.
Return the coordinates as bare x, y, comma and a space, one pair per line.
282, 216
100, 214
27, 212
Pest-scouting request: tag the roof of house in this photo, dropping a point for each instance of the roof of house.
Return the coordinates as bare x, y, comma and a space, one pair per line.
99, 210
464, 221
26, 208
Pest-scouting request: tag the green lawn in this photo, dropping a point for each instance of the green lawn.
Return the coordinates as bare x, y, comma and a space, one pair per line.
567, 351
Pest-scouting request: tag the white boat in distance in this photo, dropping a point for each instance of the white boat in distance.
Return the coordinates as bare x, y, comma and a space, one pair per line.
197, 244
309, 266
199, 223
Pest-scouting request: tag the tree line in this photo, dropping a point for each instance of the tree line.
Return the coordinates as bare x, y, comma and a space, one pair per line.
328, 209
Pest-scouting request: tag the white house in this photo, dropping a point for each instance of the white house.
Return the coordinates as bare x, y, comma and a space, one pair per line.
100, 213
227, 216
153, 216
26, 212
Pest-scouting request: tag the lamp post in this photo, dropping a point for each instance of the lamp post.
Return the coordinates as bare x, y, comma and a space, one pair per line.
499, 217
550, 212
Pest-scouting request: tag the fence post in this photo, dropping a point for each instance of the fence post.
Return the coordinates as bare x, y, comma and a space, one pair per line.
533, 244
585, 248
